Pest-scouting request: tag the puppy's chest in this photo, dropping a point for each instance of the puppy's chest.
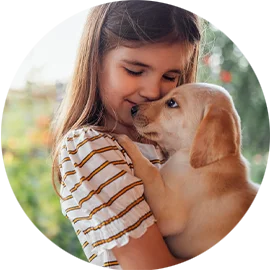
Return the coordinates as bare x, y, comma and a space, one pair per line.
175, 166
174, 170
181, 178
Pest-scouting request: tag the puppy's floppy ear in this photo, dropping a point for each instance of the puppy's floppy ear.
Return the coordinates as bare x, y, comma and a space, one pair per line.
215, 138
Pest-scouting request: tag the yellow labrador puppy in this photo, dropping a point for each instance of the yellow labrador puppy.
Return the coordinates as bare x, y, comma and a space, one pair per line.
203, 189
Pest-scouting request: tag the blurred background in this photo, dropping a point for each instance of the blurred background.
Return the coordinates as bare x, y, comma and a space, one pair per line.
37, 90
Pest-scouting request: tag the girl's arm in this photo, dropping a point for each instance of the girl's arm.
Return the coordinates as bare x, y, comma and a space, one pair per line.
98, 186
147, 252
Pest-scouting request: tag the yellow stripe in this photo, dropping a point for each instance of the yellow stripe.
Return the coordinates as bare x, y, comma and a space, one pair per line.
111, 263
97, 191
118, 162
92, 257
63, 183
78, 232
75, 136
72, 152
121, 214
67, 198
97, 170
101, 150
130, 228
68, 173
131, 166
85, 244
117, 195
102, 166
155, 161
109, 136
64, 147
64, 160
92, 138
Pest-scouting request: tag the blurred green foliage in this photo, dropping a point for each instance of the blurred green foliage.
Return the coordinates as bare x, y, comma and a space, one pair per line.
26, 151
26, 142
222, 63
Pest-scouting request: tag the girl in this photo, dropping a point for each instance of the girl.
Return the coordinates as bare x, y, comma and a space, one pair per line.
130, 52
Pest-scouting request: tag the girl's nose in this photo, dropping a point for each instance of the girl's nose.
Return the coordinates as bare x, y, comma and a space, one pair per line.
151, 91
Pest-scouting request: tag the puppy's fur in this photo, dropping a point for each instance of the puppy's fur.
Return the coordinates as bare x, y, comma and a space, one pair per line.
202, 191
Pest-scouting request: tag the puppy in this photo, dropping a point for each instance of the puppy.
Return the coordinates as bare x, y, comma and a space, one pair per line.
203, 189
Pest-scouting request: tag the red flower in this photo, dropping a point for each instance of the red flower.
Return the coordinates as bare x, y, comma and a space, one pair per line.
225, 76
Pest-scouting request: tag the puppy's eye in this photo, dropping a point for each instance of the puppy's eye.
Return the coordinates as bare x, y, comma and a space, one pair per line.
172, 103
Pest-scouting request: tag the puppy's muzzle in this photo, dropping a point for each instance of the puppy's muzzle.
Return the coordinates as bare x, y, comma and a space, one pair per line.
140, 120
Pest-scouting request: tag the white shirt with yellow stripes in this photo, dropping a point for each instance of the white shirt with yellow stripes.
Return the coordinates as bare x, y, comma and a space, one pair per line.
101, 196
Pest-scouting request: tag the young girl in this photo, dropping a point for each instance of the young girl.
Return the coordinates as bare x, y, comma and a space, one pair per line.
130, 52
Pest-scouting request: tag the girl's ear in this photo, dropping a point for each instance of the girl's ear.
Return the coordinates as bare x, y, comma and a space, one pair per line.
215, 138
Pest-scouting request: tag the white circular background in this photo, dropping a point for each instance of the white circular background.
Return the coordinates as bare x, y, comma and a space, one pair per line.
22, 23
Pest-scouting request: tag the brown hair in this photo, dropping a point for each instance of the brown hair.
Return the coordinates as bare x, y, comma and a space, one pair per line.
121, 23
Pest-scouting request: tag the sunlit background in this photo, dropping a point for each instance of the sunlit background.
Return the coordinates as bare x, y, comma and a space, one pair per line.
36, 92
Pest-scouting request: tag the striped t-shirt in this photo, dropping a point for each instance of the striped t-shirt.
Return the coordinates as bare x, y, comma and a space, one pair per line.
100, 194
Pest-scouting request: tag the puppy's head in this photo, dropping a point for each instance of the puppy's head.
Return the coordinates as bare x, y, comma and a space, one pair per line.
197, 118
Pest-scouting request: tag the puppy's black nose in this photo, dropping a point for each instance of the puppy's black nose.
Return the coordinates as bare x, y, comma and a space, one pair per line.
134, 110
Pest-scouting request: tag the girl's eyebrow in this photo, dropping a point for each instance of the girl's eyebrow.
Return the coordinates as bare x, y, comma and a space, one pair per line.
137, 63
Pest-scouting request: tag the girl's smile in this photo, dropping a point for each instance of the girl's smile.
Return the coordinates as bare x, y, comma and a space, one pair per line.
130, 76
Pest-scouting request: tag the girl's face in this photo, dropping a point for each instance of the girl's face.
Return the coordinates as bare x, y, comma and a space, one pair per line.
130, 76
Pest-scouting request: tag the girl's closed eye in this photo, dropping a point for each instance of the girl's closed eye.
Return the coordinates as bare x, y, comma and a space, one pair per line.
138, 73
172, 79
134, 73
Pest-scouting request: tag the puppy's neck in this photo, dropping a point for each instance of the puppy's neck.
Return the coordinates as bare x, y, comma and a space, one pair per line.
168, 153
181, 157
177, 165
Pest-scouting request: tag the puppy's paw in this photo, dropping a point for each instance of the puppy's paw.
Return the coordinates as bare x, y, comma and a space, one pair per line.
124, 141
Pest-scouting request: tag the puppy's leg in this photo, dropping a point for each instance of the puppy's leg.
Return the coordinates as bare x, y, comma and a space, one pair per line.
159, 196
163, 201
143, 168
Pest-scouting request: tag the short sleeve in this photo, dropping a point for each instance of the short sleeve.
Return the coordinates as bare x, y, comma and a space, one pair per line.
100, 194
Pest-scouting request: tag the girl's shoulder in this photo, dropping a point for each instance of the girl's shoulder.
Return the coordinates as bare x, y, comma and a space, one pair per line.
87, 139
85, 131
84, 143
88, 135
